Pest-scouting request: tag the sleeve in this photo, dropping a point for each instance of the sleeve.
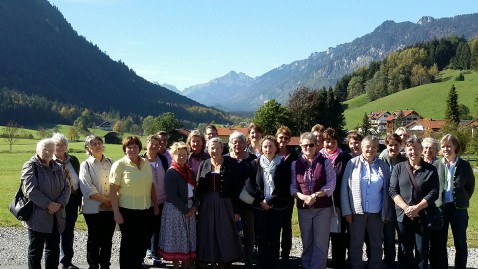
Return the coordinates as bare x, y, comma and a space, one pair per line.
344, 190
65, 193
293, 180
331, 178
394, 188
470, 180
116, 173
171, 186
432, 182
31, 187
86, 183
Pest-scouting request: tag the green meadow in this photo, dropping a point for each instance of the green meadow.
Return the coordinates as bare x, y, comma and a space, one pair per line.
428, 100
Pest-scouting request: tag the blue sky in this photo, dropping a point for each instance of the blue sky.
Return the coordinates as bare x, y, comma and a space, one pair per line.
185, 43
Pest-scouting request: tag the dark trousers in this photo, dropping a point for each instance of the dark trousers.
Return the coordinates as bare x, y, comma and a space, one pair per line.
458, 220
413, 236
156, 226
340, 242
68, 236
286, 242
101, 227
268, 225
48, 241
136, 232
389, 250
247, 217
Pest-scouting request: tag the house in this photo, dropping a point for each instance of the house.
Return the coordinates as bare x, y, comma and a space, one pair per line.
112, 138
424, 127
106, 125
405, 116
377, 120
473, 125
225, 132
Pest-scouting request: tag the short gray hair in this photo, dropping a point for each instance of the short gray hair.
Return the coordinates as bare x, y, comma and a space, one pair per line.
90, 138
44, 143
58, 137
371, 138
215, 140
432, 141
309, 136
237, 135
412, 140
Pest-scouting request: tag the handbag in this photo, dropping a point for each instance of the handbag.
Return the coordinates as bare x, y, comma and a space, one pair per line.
432, 215
335, 220
20, 206
246, 197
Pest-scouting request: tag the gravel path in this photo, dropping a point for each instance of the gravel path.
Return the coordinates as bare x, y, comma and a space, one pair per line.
14, 244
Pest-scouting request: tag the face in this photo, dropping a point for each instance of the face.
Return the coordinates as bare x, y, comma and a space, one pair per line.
283, 140
320, 139
210, 133
46, 153
61, 148
448, 150
163, 142
153, 147
393, 148
269, 149
403, 135
132, 151
355, 148
181, 156
255, 136
238, 145
196, 144
414, 152
309, 148
369, 150
429, 151
96, 147
215, 150
330, 145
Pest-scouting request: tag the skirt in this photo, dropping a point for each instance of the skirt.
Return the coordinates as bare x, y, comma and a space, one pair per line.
177, 240
218, 238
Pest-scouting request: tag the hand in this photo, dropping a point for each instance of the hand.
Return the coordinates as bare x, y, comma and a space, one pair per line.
106, 204
237, 217
265, 206
156, 210
53, 207
309, 200
348, 218
191, 212
412, 211
118, 218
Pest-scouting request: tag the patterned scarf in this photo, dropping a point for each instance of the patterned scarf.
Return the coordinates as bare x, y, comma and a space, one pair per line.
185, 172
269, 168
332, 156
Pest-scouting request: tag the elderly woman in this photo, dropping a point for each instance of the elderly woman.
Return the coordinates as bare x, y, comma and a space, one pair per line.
159, 165
353, 141
71, 166
132, 194
269, 186
312, 184
391, 156
219, 241
243, 159
97, 211
46, 186
365, 202
283, 135
457, 183
339, 160
178, 223
197, 144
413, 187
431, 147
254, 135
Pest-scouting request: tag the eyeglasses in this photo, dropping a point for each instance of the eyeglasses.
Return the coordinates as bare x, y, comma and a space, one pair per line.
308, 145
286, 138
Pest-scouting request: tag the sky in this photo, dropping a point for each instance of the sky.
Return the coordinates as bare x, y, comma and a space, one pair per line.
185, 43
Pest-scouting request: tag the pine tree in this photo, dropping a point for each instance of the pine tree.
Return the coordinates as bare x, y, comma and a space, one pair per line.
452, 113
365, 125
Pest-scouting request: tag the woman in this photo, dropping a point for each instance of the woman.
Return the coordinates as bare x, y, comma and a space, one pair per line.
339, 160
318, 131
132, 194
413, 187
178, 222
243, 159
457, 183
163, 144
196, 143
313, 182
46, 186
159, 165
391, 156
365, 202
218, 238
71, 166
254, 135
284, 135
269, 187
353, 140
431, 147
97, 211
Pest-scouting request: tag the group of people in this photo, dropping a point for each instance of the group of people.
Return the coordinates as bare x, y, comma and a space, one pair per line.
183, 204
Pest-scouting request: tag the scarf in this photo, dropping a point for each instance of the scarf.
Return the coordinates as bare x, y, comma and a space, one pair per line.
269, 169
185, 172
332, 156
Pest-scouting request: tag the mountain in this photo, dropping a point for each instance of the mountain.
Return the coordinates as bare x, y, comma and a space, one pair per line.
42, 55
325, 68
171, 88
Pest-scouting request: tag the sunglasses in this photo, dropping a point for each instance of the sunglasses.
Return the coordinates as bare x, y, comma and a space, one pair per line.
308, 145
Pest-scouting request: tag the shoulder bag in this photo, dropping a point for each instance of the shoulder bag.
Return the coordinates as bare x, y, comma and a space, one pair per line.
21, 207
